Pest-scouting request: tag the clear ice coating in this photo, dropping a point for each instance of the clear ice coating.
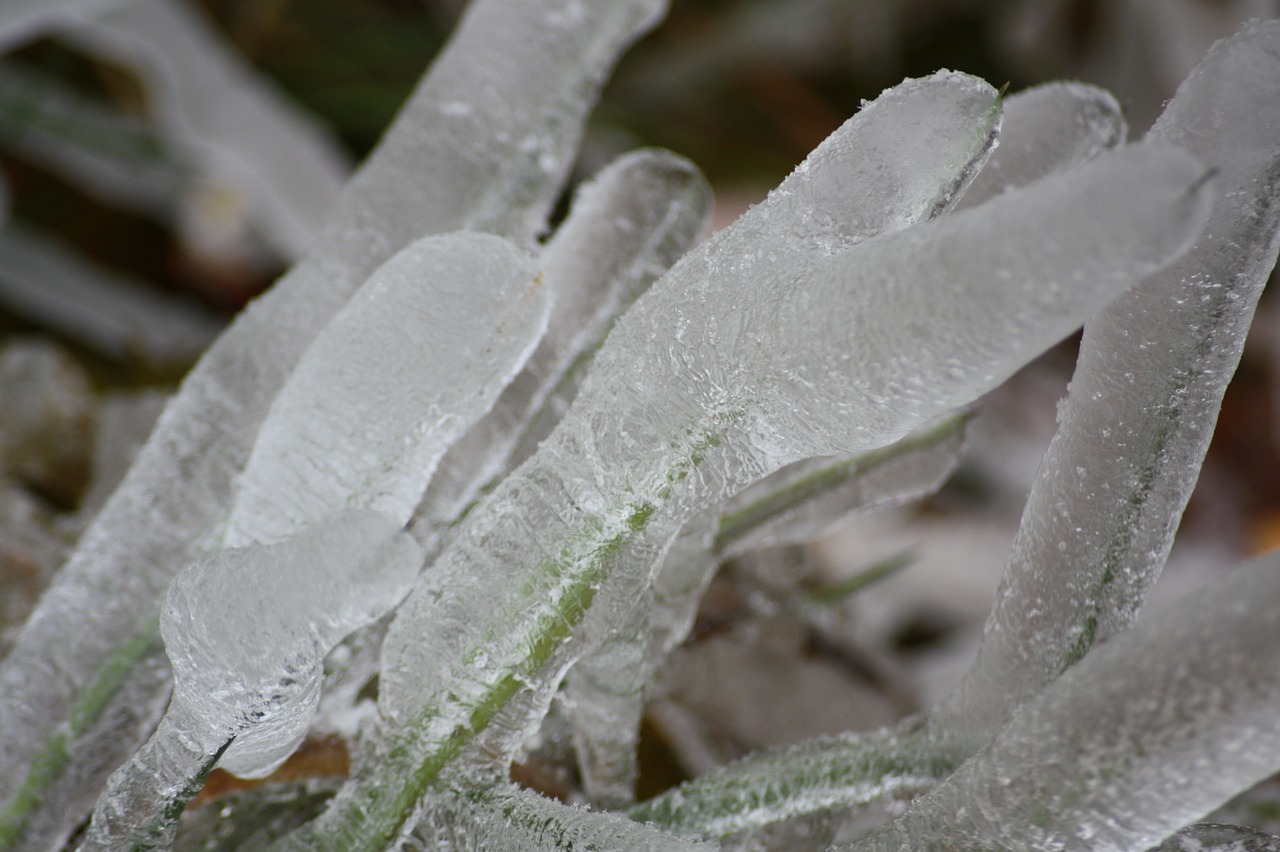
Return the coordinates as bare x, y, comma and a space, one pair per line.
418, 354
830, 772
1149, 732
625, 228
738, 362
604, 694
246, 631
1047, 129
482, 144
509, 817
1219, 838
1143, 403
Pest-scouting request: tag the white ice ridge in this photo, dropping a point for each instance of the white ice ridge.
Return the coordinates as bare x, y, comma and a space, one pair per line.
1144, 400
1151, 731
246, 631
820, 212
418, 354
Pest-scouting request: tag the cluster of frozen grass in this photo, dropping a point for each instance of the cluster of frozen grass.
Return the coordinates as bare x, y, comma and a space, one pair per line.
505, 468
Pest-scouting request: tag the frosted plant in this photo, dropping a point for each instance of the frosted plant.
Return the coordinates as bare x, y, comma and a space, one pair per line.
575, 432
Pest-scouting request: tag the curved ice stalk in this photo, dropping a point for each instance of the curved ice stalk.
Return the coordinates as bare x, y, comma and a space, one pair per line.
414, 359
1149, 732
247, 631
1047, 129
625, 228
605, 689
483, 145
746, 363
512, 818
1144, 400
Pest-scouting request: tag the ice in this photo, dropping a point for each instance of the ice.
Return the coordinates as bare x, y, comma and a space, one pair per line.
1144, 400
49, 284
606, 688
827, 772
210, 105
509, 817
246, 631
418, 354
428, 175
1149, 732
806, 500
1047, 129
625, 228
738, 362
1219, 838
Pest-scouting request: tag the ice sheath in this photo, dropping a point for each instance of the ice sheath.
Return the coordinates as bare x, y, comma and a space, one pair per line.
517, 78
733, 365
1144, 400
1113, 756
604, 695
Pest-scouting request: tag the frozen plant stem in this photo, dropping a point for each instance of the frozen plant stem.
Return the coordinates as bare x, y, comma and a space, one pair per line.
513, 72
851, 327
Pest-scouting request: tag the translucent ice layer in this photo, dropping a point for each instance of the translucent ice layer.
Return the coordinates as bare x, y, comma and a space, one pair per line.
418, 354
511, 818
1149, 732
482, 144
1144, 400
1047, 129
246, 631
605, 689
736, 363
625, 228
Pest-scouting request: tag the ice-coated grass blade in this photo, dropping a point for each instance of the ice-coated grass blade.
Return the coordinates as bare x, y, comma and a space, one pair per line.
414, 359
1143, 403
247, 630
864, 347
831, 772
455, 158
625, 228
1219, 838
512, 818
1149, 732
605, 689
1047, 129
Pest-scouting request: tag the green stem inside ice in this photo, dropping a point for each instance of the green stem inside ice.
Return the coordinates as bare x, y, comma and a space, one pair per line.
95, 698
371, 815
